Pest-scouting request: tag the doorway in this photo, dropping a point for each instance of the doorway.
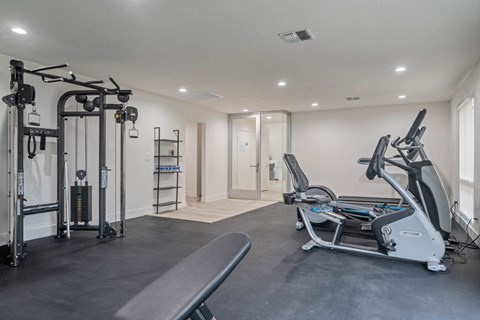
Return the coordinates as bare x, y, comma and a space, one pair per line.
257, 144
194, 161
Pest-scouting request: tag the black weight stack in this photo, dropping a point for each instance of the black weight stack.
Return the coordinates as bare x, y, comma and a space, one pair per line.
81, 204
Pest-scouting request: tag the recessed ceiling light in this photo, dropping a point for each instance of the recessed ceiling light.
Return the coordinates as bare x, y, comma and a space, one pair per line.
402, 96
400, 69
245, 110
269, 117
182, 89
19, 31
282, 84
314, 104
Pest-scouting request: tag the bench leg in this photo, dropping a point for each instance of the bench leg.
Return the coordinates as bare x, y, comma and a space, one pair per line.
205, 313
194, 316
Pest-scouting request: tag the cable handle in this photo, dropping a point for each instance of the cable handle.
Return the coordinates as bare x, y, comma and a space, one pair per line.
31, 138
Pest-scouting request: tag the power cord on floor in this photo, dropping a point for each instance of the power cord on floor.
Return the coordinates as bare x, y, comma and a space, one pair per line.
450, 258
471, 244
460, 247
453, 209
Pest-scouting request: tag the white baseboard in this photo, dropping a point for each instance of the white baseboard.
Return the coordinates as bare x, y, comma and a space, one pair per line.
191, 194
134, 213
50, 230
3, 239
40, 232
214, 197
31, 233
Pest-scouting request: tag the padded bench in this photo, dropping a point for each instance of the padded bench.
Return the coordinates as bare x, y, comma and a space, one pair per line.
181, 292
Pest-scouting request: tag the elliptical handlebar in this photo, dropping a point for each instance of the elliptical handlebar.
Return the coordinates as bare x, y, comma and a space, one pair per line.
395, 143
414, 133
414, 150
415, 126
377, 163
421, 132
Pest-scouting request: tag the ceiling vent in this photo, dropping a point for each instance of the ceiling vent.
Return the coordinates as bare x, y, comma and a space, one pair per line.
297, 36
352, 98
196, 96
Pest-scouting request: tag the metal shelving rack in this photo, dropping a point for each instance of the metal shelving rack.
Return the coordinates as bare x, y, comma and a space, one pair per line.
158, 173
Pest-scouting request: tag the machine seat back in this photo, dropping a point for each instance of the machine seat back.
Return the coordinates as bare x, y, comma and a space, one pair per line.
299, 179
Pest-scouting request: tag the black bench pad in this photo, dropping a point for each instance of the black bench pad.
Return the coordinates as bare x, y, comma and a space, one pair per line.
181, 290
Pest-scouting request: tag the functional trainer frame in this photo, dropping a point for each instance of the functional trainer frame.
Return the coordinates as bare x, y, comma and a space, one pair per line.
23, 94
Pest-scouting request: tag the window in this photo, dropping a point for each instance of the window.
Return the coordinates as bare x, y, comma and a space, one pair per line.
466, 158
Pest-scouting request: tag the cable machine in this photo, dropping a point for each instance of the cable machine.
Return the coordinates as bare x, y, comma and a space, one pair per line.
78, 202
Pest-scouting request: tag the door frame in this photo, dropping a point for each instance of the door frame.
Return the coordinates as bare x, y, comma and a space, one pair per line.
238, 193
253, 194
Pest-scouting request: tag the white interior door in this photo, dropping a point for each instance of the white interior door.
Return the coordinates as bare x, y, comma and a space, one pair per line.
246, 159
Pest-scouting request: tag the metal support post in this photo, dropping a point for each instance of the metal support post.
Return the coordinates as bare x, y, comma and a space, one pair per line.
61, 185
20, 185
103, 174
123, 181
13, 183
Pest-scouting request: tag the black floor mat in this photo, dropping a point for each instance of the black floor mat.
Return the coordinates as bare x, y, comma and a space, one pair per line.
86, 278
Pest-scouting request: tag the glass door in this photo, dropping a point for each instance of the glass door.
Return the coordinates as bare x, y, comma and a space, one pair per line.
244, 175
275, 133
257, 144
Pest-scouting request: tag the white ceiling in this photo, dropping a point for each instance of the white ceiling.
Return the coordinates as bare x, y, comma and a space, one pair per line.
232, 47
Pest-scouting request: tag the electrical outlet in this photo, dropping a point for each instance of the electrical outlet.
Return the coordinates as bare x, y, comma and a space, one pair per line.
147, 156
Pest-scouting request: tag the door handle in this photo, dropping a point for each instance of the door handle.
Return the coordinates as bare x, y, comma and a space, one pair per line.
256, 166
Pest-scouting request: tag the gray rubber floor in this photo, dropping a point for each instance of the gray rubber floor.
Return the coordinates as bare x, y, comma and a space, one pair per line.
85, 278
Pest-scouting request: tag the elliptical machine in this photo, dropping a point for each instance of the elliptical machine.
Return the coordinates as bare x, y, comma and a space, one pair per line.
406, 234
423, 182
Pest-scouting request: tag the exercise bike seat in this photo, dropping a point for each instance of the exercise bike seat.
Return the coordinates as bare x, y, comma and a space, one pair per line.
181, 290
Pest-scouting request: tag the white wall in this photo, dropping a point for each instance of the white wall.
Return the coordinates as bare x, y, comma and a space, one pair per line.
327, 144
470, 87
154, 111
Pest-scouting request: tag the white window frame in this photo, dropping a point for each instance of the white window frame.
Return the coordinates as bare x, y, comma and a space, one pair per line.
467, 210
